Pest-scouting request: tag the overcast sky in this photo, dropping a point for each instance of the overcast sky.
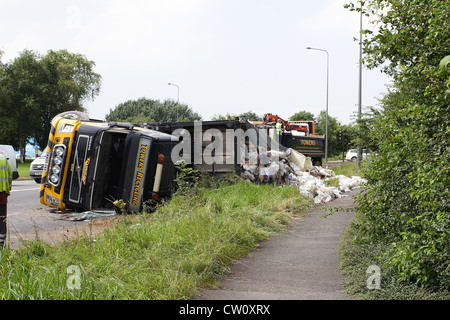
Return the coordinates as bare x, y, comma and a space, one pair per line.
226, 56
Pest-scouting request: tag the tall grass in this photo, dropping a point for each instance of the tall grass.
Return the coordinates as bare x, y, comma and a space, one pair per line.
186, 245
24, 168
349, 169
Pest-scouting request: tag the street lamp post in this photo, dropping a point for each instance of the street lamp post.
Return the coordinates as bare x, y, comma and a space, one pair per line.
358, 159
326, 119
178, 96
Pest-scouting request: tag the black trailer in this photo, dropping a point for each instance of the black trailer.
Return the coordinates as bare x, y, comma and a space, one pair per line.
218, 147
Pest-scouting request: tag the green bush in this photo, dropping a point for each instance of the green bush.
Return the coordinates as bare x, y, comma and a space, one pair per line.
406, 202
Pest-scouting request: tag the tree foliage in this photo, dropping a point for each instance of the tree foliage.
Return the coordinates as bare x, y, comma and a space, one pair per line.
148, 110
335, 143
35, 88
407, 199
249, 115
302, 116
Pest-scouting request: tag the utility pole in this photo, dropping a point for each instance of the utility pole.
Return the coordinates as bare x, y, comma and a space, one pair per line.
326, 113
358, 161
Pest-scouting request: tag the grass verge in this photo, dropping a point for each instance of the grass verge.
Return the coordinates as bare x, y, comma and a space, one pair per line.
359, 262
24, 169
347, 169
184, 246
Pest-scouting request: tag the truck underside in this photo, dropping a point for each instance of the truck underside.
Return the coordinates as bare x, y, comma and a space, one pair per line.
110, 168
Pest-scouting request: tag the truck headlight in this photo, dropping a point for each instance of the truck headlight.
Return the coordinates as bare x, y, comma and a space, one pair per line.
56, 169
59, 151
54, 178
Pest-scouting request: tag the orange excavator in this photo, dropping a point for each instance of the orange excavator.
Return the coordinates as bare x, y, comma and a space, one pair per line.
302, 126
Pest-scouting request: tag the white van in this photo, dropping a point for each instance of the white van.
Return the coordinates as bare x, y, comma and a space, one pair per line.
10, 154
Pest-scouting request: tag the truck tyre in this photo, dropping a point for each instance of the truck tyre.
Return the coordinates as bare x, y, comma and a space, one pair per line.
354, 159
317, 162
38, 180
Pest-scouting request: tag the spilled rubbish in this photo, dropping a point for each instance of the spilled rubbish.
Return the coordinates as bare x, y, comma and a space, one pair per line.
80, 216
293, 168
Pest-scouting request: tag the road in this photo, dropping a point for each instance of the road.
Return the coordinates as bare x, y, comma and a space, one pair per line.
27, 216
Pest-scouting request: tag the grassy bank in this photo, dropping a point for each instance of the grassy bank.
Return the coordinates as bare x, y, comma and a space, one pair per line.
24, 169
357, 256
355, 259
347, 169
185, 245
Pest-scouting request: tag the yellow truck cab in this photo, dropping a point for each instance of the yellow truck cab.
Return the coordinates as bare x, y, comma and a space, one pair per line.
90, 164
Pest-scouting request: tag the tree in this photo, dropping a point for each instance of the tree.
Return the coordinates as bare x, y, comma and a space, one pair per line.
249, 115
406, 199
302, 116
35, 88
350, 135
334, 144
21, 93
363, 130
148, 110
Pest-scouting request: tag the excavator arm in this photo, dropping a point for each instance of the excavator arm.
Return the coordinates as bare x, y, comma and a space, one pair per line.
289, 126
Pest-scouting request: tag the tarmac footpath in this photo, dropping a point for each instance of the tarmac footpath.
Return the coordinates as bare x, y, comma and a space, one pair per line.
301, 263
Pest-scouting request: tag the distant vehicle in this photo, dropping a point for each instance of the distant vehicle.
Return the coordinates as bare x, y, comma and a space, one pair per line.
36, 168
352, 155
10, 154
27, 156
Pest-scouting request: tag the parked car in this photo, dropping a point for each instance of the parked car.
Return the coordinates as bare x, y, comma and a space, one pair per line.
10, 154
36, 168
352, 155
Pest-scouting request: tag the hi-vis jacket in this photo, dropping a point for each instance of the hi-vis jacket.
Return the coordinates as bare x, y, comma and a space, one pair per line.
279, 128
6, 175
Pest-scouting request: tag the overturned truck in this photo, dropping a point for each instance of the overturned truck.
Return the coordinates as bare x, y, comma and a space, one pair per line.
92, 165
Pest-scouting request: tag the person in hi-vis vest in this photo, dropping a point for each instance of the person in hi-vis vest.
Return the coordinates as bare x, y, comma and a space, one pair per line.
279, 130
6, 176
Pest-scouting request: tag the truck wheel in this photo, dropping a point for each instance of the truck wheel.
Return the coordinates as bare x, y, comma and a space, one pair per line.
317, 162
38, 180
354, 159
